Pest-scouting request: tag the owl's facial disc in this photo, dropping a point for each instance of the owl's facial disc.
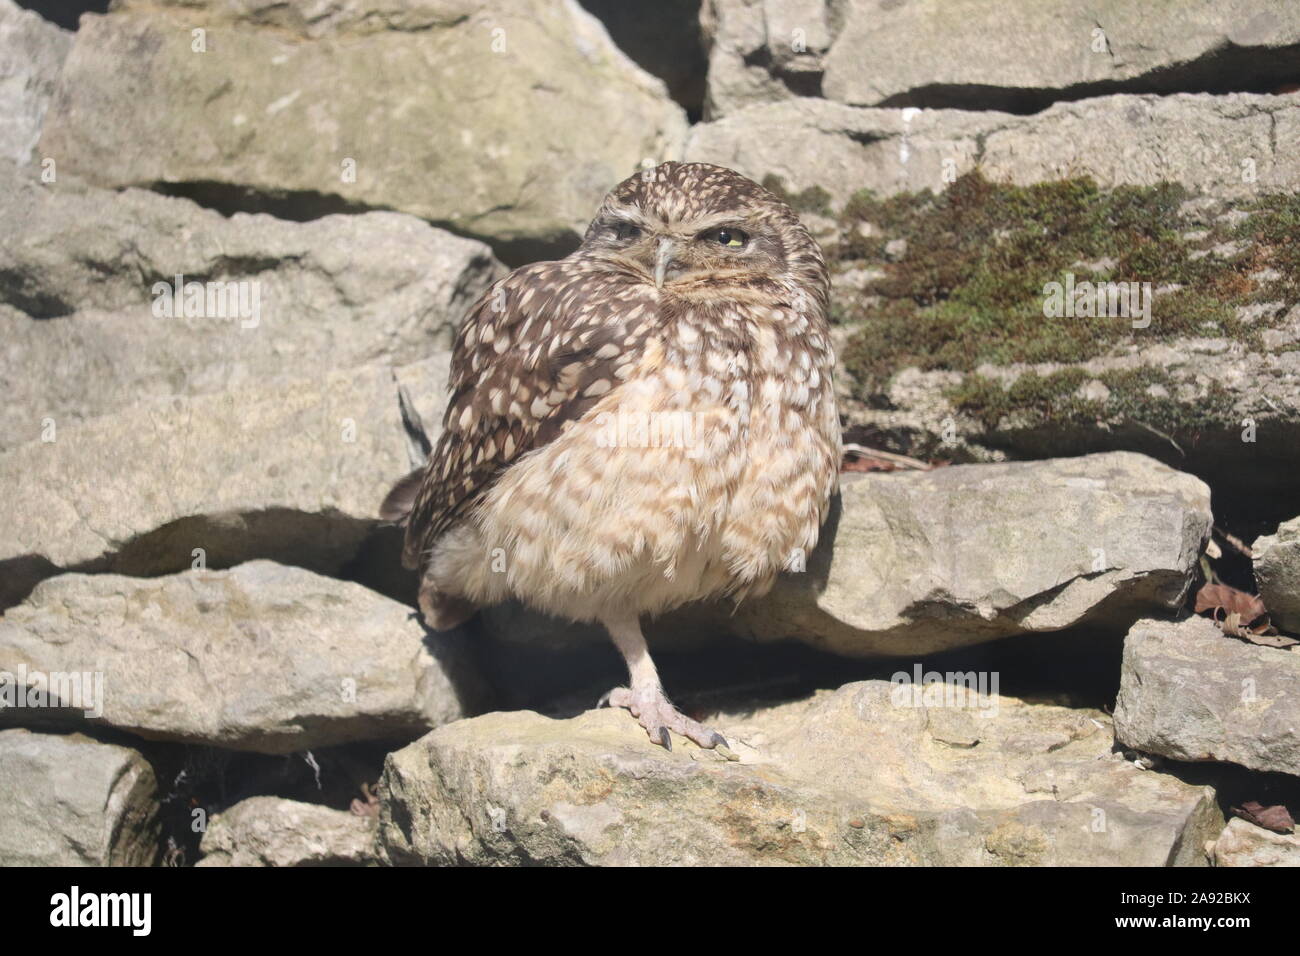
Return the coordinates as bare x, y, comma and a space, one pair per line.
675, 250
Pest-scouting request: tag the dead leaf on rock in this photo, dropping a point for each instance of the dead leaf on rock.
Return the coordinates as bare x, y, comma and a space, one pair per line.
1239, 614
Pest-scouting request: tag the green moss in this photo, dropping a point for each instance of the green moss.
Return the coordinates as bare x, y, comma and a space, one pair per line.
814, 199
1143, 395
969, 287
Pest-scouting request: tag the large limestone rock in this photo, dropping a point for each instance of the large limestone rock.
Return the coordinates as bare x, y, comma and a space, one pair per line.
32, 52
971, 54
447, 109
293, 472
1244, 844
262, 657
1277, 571
87, 276
845, 778
67, 800
270, 831
1189, 692
1203, 142
922, 562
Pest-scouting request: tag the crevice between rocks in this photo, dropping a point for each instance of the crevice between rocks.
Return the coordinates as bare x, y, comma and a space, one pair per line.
1228, 69
323, 542
307, 205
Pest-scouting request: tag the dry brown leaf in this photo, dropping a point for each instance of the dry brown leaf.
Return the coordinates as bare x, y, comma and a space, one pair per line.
1231, 601
1240, 615
857, 463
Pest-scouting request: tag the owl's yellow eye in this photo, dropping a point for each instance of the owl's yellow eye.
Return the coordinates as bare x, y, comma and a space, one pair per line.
731, 238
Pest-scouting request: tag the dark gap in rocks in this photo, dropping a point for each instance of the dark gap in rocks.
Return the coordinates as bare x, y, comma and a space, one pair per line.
307, 205
322, 543
1235, 785
294, 205
664, 40
520, 252
65, 13
1079, 667
196, 783
804, 83
377, 565
1230, 69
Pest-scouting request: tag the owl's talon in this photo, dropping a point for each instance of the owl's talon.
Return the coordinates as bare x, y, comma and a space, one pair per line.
661, 719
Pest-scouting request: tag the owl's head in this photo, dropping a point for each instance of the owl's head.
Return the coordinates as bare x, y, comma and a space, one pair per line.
703, 230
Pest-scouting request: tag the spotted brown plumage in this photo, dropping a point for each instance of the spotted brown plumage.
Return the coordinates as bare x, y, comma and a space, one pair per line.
647, 422
536, 352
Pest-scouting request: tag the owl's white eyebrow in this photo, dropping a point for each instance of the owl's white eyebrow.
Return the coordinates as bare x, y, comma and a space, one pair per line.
718, 221
630, 217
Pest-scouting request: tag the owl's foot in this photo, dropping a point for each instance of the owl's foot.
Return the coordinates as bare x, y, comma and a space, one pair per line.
661, 719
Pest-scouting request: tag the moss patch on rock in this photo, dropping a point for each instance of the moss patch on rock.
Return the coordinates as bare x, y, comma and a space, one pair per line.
1145, 394
966, 285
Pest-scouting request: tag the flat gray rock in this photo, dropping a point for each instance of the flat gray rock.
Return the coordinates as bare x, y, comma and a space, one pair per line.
1189, 692
459, 113
1277, 572
32, 51
67, 800
977, 55
270, 831
261, 657
1199, 140
290, 471
919, 562
90, 322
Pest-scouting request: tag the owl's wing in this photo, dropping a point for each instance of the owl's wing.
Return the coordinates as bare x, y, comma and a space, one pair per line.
536, 352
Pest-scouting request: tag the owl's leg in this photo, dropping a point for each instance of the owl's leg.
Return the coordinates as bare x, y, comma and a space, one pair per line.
645, 697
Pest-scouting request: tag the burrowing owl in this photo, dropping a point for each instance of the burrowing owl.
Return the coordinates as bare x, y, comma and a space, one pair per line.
647, 422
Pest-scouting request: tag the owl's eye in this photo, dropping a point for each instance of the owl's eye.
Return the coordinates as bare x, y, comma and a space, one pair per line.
731, 238
625, 231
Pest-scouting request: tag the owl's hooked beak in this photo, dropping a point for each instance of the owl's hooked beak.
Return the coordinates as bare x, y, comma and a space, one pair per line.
663, 259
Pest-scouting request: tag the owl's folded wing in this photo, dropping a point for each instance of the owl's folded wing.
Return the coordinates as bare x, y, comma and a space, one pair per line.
536, 352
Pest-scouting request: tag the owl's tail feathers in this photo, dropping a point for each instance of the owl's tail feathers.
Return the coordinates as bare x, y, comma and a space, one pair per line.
401, 499
443, 611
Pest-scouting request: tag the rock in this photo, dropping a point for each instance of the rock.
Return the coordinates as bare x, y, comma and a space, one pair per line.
262, 658
1201, 141
293, 472
1019, 57
845, 778
920, 562
87, 273
1277, 572
763, 50
1189, 692
1244, 844
445, 109
32, 52
269, 831
67, 800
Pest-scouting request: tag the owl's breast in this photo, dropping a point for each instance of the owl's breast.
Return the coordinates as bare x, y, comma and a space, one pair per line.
706, 471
